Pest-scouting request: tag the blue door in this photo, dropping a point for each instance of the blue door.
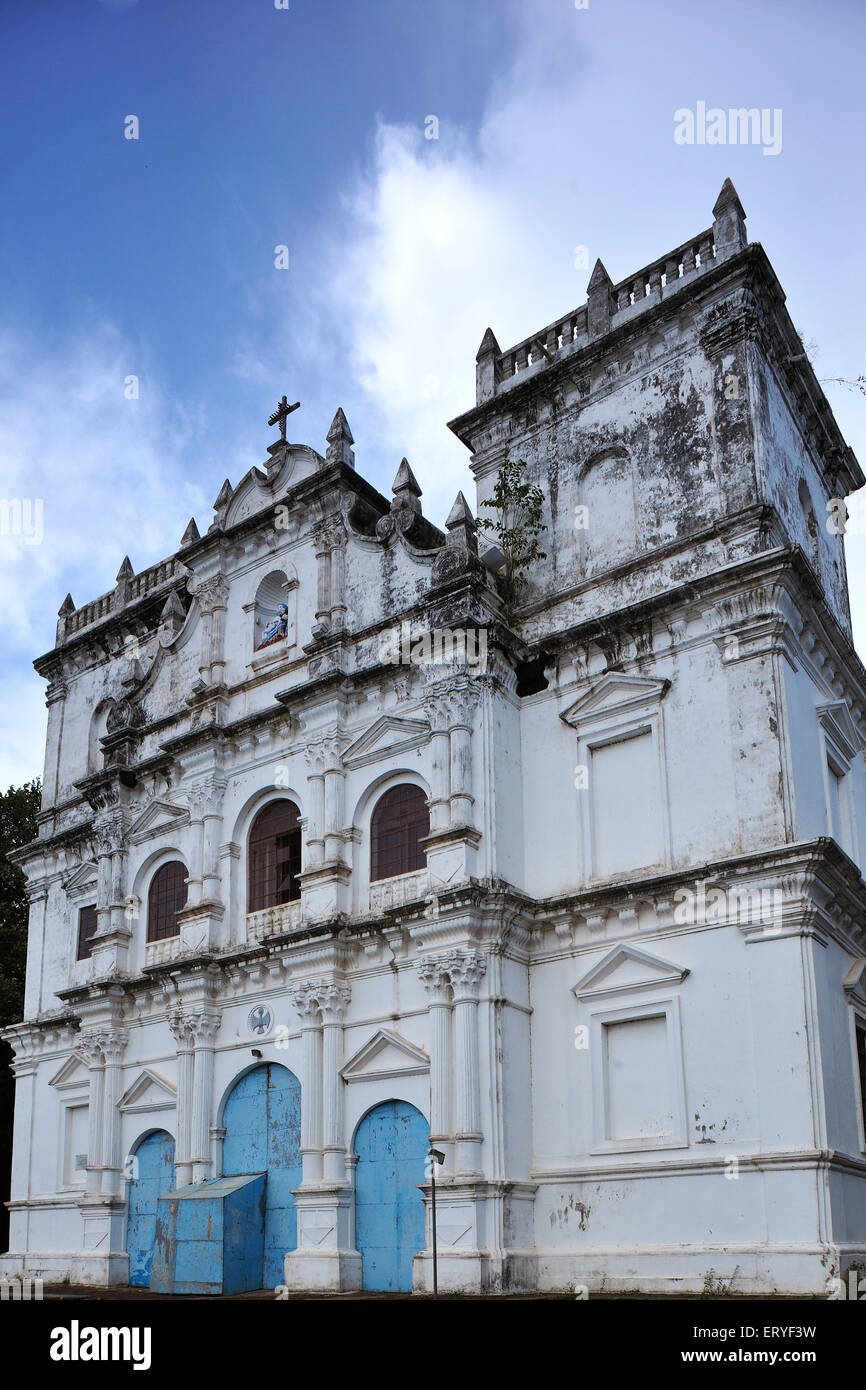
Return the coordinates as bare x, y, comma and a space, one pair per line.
391, 1144
153, 1176
262, 1120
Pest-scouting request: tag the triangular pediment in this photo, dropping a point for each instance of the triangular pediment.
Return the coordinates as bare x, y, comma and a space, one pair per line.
74, 1073
386, 736
837, 722
615, 693
149, 1091
385, 1054
82, 879
158, 818
854, 982
627, 968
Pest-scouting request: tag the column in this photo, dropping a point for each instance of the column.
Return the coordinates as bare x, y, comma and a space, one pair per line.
462, 702
307, 1007
338, 578
112, 1043
439, 1006
440, 810
185, 1080
89, 1044
333, 798
323, 593
465, 969
333, 1001
205, 1027
316, 799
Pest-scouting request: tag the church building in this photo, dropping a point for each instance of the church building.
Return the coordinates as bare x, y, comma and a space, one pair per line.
344, 856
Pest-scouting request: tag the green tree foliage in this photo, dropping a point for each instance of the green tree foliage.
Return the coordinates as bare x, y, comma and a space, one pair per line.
18, 809
517, 525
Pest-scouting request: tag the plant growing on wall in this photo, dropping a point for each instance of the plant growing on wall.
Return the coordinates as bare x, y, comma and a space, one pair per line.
517, 525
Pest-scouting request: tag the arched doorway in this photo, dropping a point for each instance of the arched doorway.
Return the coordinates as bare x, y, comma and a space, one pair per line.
391, 1144
262, 1121
152, 1177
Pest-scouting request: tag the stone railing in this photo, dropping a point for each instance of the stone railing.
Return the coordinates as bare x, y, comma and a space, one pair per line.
158, 952
273, 921
644, 287
542, 347
137, 586
393, 892
693, 255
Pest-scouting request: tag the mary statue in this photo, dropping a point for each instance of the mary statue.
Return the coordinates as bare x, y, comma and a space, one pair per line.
277, 629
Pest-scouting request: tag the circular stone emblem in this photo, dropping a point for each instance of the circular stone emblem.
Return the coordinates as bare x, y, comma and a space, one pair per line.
259, 1021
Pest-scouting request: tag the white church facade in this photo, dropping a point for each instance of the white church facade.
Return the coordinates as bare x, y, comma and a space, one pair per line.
576, 900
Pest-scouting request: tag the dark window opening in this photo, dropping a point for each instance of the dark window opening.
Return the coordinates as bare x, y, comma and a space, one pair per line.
86, 930
400, 821
530, 676
274, 856
165, 899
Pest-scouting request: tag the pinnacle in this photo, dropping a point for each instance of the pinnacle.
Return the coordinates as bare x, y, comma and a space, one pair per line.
224, 496
728, 198
339, 428
126, 571
405, 480
459, 515
190, 534
488, 345
599, 277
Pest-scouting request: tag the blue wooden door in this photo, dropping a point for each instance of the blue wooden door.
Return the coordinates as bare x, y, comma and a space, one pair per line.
153, 1177
262, 1120
391, 1144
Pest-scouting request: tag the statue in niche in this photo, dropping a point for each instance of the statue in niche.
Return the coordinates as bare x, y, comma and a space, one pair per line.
277, 628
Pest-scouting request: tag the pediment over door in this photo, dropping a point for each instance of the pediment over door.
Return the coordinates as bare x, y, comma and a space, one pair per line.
624, 969
384, 1055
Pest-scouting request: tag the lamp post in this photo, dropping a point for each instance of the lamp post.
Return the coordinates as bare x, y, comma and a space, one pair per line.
436, 1157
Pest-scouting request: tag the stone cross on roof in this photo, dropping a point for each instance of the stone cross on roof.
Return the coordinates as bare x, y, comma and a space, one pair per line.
281, 414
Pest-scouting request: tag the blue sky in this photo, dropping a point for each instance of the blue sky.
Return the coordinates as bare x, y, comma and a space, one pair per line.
305, 127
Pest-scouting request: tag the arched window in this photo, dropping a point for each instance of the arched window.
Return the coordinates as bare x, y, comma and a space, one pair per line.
400, 821
274, 856
275, 615
166, 897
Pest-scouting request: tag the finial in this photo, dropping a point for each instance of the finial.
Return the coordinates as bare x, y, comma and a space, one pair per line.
728, 198
729, 225
405, 481
66, 607
488, 345
190, 534
340, 441
224, 496
598, 277
126, 571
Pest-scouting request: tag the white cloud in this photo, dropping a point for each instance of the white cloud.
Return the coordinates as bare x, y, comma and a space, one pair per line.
108, 471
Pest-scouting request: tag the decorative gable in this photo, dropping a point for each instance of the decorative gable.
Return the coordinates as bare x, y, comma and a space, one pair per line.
82, 881
854, 982
159, 818
73, 1075
387, 736
624, 969
149, 1091
840, 729
615, 694
384, 1055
